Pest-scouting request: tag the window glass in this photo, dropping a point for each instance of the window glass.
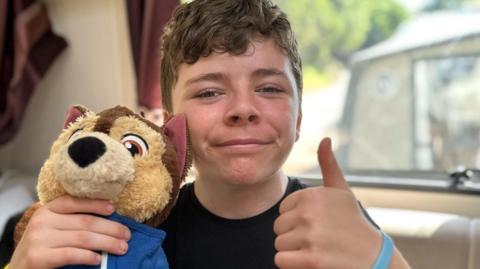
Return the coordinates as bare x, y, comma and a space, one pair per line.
394, 83
447, 95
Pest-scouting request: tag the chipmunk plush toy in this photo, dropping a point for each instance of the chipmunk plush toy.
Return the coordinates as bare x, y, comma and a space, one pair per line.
119, 156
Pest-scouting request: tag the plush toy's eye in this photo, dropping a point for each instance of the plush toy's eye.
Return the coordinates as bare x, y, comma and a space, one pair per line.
135, 144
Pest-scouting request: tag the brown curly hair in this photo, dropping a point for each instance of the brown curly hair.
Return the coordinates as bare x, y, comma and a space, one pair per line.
201, 27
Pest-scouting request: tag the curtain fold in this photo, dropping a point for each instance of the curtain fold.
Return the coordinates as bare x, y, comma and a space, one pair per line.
27, 48
146, 21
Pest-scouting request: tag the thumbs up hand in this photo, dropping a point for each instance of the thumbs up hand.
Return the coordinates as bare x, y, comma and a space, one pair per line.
324, 227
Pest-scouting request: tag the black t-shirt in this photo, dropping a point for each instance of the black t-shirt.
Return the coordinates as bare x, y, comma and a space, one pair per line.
6, 242
198, 239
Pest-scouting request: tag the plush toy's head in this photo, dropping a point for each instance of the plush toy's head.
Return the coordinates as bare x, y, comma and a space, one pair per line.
119, 156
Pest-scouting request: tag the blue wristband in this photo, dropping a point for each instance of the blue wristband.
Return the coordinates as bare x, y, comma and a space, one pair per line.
386, 253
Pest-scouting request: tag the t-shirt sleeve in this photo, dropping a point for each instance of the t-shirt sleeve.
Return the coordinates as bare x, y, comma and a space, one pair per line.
365, 213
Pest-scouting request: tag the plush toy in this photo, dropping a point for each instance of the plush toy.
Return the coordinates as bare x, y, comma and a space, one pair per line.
119, 156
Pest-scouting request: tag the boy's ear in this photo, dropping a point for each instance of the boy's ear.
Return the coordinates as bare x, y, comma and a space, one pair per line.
73, 113
299, 124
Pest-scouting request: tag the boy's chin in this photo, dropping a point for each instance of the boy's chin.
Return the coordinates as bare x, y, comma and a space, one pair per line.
246, 177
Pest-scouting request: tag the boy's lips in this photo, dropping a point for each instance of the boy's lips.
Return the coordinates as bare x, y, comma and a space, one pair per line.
241, 142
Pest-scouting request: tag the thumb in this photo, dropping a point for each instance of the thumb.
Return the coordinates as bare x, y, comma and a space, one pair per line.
332, 174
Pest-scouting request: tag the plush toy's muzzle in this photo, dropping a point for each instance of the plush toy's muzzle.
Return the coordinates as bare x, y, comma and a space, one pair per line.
93, 165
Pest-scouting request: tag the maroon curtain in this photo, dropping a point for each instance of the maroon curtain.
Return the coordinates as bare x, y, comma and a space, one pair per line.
27, 48
146, 20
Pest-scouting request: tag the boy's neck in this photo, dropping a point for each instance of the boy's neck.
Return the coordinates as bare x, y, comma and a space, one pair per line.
240, 202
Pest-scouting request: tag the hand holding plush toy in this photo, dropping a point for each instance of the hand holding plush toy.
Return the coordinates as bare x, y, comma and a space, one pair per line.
119, 156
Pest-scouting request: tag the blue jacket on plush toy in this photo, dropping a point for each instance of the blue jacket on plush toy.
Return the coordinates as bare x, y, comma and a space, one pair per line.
145, 248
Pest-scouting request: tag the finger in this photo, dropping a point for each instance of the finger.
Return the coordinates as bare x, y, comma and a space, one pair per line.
69, 255
285, 222
92, 241
296, 259
289, 203
288, 241
69, 205
332, 174
92, 223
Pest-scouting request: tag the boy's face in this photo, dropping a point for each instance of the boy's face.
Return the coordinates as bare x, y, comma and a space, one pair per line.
242, 112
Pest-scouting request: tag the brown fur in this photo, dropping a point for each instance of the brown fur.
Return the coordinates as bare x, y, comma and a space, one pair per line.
107, 118
22, 224
170, 162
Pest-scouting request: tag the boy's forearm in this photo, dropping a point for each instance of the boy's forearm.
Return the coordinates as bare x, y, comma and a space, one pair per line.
398, 262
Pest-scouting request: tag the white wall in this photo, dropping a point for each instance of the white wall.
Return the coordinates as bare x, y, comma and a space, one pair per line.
95, 70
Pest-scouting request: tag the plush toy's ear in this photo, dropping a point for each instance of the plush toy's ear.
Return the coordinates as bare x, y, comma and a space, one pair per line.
176, 130
73, 113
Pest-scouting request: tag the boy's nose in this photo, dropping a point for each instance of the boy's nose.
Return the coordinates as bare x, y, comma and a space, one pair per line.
236, 119
242, 110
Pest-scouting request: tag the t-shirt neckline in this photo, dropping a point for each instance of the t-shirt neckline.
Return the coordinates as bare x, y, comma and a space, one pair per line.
263, 216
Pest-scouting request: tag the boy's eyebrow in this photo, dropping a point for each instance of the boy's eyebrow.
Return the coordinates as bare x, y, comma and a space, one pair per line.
218, 76
264, 72
206, 77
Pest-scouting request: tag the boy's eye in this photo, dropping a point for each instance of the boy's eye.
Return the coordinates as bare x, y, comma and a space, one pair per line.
208, 93
270, 90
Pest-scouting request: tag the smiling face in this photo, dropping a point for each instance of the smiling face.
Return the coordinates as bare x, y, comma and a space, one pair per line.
242, 111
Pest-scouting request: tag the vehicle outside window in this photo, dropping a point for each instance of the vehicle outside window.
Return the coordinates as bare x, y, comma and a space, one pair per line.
404, 99
413, 100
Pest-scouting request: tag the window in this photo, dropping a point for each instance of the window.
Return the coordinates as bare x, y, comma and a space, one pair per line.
393, 91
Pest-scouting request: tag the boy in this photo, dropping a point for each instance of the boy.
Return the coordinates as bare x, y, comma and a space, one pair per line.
232, 67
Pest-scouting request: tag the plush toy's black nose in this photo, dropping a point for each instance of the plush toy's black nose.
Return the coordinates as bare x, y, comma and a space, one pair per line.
86, 150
